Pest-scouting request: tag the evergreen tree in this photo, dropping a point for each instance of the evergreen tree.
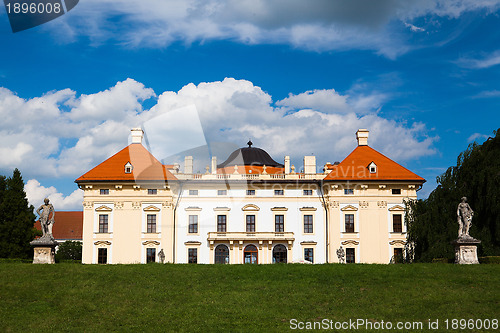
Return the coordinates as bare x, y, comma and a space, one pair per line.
16, 218
432, 223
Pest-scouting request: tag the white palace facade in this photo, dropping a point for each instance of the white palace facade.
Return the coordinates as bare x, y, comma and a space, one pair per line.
247, 209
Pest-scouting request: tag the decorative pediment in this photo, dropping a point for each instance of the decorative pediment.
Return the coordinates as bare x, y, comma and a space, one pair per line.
192, 243
197, 209
103, 209
251, 207
279, 209
151, 208
102, 243
222, 209
151, 243
398, 242
349, 208
397, 208
308, 243
308, 209
350, 242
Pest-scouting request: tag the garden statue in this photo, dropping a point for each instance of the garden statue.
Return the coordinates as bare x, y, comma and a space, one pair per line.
46, 219
341, 255
161, 256
464, 218
44, 248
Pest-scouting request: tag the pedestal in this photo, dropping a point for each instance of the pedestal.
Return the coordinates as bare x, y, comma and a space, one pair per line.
466, 250
44, 250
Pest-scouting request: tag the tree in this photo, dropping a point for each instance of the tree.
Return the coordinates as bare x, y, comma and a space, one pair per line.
432, 223
16, 218
69, 250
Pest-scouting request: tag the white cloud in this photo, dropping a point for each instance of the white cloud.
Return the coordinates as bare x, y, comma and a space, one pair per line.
486, 61
414, 28
315, 25
97, 124
57, 140
476, 136
36, 193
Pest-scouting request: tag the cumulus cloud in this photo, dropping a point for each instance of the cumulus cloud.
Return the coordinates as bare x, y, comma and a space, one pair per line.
55, 139
61, 134
315, 24
36, 193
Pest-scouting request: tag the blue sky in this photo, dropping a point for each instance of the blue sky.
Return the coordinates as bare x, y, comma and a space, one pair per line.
422, 76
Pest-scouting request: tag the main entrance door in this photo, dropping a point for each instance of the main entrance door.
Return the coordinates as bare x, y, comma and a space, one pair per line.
279, 254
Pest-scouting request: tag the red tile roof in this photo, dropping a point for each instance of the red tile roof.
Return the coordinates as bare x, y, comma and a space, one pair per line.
355, 167
145, 167
68, 225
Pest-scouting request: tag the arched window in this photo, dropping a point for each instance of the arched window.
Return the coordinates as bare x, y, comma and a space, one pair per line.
279, 254
250, 255
221, 254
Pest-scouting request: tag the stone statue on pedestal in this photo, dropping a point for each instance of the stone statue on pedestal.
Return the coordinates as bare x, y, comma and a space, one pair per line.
465, 245
464, 218
46, 219
45, 247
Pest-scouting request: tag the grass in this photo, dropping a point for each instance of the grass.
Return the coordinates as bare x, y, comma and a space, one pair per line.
261, 298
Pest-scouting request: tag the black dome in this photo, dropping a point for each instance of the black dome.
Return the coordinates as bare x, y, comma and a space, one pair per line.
250, 156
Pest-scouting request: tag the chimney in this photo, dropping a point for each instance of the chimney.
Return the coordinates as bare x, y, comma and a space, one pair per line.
310, 164
362, 137
188, 165
214, 165
137, 135
287, 165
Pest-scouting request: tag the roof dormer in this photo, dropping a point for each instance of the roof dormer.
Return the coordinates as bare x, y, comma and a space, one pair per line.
372, 167
128, 167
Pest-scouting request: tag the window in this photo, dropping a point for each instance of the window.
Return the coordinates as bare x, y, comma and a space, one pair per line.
372, 167
398, 255
250, 192
193, 224
221, 223
250, 223
151, 223
279, 192
350, 257
152, 191
192, 256
103, 223
279, 223
396, 191
348, 191
397, 223
308, 224
307, 192
349, 222
102, 256
250, 255
193, 192
221, 192
150, 255
279, 254
128, 168
221, 254
104, 191
309, 254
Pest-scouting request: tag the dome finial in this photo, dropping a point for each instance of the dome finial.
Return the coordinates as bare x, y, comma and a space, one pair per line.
249, 143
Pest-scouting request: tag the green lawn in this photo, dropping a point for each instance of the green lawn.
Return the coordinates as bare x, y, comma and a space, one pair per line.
92, 298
